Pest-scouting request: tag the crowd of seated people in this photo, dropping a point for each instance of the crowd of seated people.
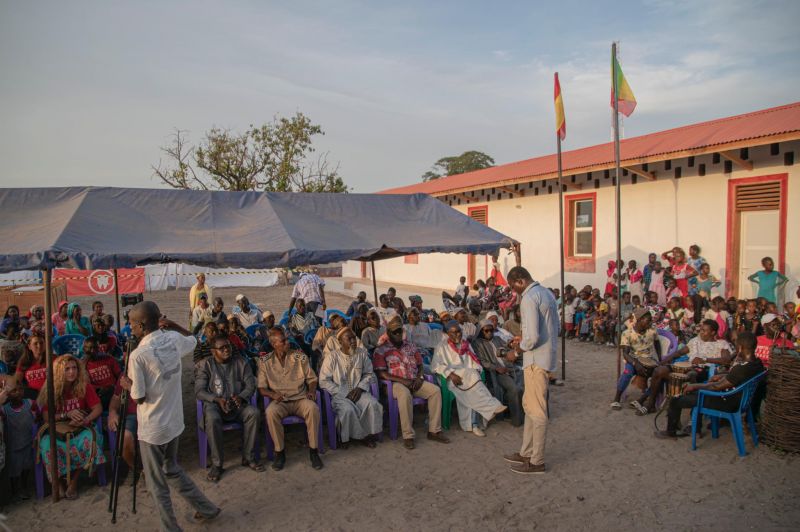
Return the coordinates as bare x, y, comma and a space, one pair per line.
461, 354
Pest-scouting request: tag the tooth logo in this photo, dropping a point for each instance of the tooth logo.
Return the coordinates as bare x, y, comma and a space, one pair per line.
101, 282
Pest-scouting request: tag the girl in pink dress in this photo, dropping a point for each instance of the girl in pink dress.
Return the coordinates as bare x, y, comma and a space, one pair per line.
657, 284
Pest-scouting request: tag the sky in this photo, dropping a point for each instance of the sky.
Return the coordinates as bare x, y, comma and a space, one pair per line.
89, 91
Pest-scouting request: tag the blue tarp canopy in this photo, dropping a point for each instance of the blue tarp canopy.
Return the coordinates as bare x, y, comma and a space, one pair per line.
102, 227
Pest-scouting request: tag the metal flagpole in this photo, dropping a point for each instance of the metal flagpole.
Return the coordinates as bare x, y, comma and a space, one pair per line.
51, 399
617, 201
561, 242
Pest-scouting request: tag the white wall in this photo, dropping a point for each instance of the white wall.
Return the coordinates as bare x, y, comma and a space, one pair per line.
656, 216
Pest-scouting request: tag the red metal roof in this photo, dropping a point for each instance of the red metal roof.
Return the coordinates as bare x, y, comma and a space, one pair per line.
636, 150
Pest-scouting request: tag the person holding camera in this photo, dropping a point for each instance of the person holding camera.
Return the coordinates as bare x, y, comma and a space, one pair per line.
225, 383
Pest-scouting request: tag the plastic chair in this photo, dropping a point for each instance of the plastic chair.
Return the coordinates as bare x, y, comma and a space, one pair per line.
394, 411
331, 312
437, 326
38, 469
3, 368
293, 420
69, 343
331, 415
202, 437
309, 337
673, 342
252, 329
447, 399
747, 390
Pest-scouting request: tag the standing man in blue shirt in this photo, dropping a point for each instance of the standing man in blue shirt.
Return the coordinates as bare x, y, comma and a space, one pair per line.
538, 347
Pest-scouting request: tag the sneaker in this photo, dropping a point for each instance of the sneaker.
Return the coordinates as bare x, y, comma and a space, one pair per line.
316, 462
616, 405
515, 458
279, 461
528, 468
202, 517
477, 431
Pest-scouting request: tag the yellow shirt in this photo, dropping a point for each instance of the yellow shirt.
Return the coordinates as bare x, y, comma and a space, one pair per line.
291, 379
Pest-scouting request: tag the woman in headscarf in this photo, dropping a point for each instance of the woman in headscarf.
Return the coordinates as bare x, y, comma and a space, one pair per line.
76, 322
455, 360
77, 408
59, 318
347, 375
503, 376
11, 316
36, 323
373, 332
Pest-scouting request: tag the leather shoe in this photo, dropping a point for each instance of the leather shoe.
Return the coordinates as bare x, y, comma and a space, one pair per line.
280, 461
408, 443
438, 437
316, 461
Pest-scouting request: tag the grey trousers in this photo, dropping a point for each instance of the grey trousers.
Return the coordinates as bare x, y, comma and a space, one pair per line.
513, 395
162, 472
213, 420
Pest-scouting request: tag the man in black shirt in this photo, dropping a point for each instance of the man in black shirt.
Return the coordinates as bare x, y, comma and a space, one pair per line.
745, 367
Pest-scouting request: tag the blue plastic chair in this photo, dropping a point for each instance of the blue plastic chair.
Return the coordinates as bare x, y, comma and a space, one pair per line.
3, 368
252, 329
437, 326
747, 390
69, 343
331, 312
293, 420
202, 437
309, 337
331, 415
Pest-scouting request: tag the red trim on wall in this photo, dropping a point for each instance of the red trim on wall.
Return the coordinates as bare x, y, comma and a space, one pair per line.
470, 274
411, 259
733, 234
579, 264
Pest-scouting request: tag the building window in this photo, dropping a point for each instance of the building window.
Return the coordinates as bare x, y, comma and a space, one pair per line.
579, 235
583, 228
411, 259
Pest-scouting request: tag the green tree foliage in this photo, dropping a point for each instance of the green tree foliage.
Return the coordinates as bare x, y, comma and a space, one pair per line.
277, 156
468, 161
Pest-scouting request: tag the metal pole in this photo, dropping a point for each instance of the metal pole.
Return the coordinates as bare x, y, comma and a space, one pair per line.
617, 201
116, 296
374, 284
561, 242
51, 399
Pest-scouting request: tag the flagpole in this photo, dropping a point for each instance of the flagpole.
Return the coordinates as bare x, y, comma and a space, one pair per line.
561, 245
617, 202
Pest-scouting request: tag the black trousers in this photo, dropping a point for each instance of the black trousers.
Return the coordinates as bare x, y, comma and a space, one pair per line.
676, 404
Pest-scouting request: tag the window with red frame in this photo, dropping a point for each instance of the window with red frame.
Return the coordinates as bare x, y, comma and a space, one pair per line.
411, 259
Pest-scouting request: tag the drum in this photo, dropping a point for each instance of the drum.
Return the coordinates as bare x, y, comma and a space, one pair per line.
647, 362
676, 383
681, 367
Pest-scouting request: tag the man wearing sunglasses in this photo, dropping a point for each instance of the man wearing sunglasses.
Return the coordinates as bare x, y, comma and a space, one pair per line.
400, 361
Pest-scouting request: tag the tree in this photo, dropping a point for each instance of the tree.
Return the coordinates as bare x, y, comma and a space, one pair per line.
469, 161
277, 156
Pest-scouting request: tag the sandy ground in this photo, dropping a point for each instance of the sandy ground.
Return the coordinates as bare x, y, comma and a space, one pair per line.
605, 471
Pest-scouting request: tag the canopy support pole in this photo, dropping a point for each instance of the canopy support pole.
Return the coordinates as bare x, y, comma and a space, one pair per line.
51, 400
618, 203
116, 296
374, 284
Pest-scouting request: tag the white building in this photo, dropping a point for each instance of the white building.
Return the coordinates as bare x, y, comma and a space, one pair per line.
726, 185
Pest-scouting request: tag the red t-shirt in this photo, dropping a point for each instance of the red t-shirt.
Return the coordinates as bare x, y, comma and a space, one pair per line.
764, 345
108, 346
85, 403
103, 371
236, 342
131, 402
35, 376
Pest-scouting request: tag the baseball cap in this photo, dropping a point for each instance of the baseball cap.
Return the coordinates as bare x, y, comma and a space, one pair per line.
768, 318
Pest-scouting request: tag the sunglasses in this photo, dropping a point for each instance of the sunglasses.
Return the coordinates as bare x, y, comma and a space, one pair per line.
396, 331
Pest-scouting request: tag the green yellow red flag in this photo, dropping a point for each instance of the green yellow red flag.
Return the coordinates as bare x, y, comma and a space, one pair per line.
626, 102
561, 120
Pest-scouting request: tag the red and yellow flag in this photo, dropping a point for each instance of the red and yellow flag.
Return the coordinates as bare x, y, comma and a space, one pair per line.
626, 102
561, 120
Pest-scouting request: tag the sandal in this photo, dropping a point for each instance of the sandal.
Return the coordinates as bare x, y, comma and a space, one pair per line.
214, 474
255, 466
642, 410
636, 405
616, 405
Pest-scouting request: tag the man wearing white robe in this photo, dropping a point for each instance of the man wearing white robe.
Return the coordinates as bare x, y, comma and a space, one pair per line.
457, 363
347, 375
